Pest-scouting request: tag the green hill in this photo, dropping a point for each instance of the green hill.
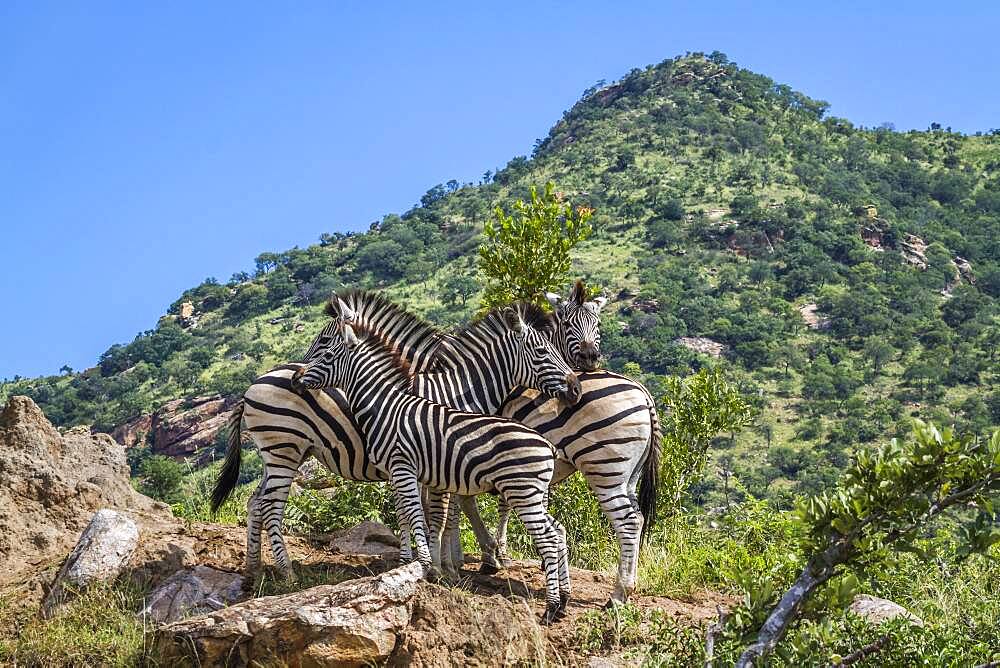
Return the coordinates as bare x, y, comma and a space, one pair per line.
725, 206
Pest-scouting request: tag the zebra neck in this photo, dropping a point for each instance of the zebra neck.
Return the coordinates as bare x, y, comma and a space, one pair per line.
374, 383
561, 342
474, 380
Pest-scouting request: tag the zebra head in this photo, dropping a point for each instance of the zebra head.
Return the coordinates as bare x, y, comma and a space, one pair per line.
340, 313
578, 326
534, 360
327, 366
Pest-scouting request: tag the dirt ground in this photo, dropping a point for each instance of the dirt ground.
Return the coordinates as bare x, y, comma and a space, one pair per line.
168, 548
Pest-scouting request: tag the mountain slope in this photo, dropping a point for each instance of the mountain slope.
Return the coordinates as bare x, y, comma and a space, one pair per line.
726, 207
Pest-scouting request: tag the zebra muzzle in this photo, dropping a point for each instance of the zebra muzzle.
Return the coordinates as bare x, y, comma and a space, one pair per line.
296, 380
573, 390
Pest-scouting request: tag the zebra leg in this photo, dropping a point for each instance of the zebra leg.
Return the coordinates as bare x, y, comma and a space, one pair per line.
435, 511
564, 583
252, 564
487, 543
503, 517
272, 506
410, 511
453, 533
620, 507
542, 530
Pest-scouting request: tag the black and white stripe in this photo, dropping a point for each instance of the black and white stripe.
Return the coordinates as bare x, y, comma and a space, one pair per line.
288, 426
611, 435
420, 442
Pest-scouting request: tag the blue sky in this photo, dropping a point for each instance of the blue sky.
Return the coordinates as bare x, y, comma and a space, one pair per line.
144, 148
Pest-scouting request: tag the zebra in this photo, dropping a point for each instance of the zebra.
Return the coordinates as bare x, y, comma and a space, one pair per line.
420, 442
612, 435
288, 425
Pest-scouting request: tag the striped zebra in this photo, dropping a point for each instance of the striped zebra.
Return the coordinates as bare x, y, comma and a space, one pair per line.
288, 426
612, 435
445, 450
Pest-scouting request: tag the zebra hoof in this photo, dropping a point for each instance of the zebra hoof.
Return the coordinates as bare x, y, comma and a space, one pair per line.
612, 604
552, 614
488, 569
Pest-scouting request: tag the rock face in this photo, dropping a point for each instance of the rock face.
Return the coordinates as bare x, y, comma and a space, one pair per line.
51, 484
877, 610
351, 624
179, 428
103, 551
812, 318
192, 591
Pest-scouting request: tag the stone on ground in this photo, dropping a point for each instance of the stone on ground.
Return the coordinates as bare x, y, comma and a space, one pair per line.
370, 538
104, 549
192, 591
876, 610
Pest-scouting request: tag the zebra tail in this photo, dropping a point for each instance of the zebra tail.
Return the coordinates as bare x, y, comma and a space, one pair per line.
230, 473
650, 482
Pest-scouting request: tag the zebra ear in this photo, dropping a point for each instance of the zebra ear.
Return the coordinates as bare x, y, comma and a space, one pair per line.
599, 303
553, 299
513, 320
345, 311
578, 294
350, 338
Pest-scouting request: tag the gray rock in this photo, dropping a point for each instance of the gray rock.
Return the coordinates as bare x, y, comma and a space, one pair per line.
192, 591
103, 550
876, 610
369, 537
354, 623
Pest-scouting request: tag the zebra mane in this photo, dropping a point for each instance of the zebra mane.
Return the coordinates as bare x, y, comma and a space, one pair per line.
361, 327
492, 324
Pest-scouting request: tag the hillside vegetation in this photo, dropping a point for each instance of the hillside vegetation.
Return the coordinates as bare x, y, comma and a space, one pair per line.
723, 203
849, 279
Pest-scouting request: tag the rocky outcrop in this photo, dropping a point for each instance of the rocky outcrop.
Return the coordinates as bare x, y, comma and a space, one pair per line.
192, 591
393, 618
180, 428
812, 318
355, 623
103, 551
702, 345
914, 250
135, 432
51, 485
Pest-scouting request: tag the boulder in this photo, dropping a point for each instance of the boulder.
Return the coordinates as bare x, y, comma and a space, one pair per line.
876, 610
51, 484
390, 619
354, 623
192, 591
102, 552
452, 627
371, 538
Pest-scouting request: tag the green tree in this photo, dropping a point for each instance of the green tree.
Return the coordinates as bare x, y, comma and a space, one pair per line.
526, 252
161, 478
885, 501
699, 408
458, 287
